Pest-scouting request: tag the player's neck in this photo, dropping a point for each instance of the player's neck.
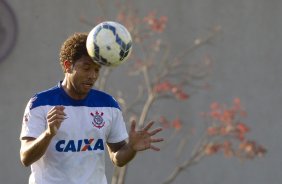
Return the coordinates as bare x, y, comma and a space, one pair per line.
71, 92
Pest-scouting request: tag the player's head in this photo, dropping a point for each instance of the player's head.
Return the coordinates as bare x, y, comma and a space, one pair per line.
80, 71
73, 49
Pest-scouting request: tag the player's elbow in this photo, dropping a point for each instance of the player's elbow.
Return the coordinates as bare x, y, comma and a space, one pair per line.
26, 164
119, 163
24, 160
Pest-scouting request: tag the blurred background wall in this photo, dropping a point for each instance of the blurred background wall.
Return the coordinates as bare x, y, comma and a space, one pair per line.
247, 64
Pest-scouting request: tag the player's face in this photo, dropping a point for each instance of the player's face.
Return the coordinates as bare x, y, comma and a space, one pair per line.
82, 77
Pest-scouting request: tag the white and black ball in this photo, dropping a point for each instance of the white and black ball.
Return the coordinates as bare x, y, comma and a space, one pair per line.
109, 44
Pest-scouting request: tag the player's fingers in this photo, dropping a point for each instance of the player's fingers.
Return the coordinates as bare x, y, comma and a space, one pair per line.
56, 123
133, 125
157, 140
51, 112
60, 110
58, 114
55, 111
54, 117
155, 131
53, 108
60, 107
154, 148
148, 126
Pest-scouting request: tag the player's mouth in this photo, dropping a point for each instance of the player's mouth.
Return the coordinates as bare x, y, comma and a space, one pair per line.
88, 85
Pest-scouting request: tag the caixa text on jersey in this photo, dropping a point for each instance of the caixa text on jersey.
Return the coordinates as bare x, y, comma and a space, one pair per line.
79, 145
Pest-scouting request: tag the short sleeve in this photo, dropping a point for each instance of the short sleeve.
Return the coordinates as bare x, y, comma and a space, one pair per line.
118, 130
34, 121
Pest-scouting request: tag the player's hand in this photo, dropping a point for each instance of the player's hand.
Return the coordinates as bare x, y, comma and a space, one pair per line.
54, 119
142, 139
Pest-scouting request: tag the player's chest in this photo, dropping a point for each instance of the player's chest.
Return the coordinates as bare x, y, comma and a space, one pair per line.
82, 122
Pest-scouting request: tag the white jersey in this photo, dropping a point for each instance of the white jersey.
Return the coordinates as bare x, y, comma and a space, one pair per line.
76, 154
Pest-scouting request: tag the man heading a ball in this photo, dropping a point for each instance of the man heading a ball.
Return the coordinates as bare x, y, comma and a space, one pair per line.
67, 128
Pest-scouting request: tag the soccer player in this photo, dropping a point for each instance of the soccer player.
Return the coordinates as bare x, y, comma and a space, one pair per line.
66, 128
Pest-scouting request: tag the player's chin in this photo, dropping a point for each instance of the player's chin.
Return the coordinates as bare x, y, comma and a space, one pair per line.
85, 88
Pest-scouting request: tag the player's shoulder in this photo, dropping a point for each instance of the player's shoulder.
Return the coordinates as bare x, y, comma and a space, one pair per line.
49, 92
43, 97
103, 99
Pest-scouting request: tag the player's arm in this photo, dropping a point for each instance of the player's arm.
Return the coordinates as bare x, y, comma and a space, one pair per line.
33, 149
123, 152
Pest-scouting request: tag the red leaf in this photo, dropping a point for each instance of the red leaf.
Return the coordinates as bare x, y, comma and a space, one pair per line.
177, 124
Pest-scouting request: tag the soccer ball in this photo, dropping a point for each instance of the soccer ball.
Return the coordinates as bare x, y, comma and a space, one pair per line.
109, 44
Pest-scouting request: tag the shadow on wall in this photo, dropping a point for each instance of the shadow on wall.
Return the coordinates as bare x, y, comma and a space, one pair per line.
8, 30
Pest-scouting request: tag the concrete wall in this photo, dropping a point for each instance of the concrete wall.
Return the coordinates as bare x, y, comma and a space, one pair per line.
247, 64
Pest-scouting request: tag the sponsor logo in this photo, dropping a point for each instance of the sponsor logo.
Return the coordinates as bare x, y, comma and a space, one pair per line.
79, 145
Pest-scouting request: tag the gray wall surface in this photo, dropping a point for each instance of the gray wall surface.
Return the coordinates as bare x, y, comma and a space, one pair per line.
247, 64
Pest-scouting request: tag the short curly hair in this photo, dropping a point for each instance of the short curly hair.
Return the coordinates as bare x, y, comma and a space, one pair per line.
73, 48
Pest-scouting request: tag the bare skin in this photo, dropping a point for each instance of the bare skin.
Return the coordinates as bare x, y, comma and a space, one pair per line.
121, 153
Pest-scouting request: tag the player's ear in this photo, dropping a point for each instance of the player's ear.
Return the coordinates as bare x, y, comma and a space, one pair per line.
67, 65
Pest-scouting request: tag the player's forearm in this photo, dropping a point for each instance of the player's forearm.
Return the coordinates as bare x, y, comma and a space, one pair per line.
124, 155
33, 150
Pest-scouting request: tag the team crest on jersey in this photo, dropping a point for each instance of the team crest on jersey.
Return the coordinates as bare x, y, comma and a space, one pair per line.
98, 120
